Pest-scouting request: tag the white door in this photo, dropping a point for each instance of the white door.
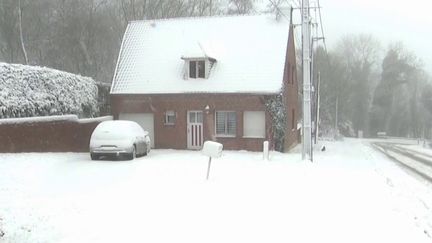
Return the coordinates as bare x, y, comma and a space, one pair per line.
195, 129
146, 120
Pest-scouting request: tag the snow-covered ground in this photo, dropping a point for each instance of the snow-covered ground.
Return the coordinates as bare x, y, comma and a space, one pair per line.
352, 193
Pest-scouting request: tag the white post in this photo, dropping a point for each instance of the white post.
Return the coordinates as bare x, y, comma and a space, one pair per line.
266, 150
208, 168
306, 44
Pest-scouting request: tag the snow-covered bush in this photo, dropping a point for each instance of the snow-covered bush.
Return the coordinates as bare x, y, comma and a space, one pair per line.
275, 106
27, 91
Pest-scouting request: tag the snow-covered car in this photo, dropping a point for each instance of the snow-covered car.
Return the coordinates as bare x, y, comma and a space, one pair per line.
119, 138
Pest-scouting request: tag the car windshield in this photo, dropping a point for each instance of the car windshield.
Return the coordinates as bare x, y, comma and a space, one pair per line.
110, 135
113, 130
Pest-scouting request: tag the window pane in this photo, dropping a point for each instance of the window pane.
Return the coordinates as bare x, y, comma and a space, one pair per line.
192, 69
192, 117
231, 123
220, 122
201, 69
170, 117
199, 117
226, 123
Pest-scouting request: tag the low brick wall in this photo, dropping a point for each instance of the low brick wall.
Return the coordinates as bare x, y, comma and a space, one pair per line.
68, 134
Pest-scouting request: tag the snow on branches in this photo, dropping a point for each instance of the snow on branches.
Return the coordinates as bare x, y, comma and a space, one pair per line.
276, 108
27, 91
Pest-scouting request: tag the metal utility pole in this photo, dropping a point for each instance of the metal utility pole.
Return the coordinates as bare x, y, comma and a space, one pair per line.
307, 119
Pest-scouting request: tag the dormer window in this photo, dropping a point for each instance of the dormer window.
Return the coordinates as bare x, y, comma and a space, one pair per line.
197, 69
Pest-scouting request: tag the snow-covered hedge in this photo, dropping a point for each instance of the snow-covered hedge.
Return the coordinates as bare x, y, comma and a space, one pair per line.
27, 91
62, 118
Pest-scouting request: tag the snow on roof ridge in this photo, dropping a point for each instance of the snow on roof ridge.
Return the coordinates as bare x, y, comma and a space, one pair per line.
201, 17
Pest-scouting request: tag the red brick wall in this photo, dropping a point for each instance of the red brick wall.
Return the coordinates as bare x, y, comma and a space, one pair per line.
54, 136
291, 94
175, 136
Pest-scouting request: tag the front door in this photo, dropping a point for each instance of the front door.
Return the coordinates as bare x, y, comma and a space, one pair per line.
195, 129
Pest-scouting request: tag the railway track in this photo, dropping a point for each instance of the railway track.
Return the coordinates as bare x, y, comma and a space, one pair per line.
416, 162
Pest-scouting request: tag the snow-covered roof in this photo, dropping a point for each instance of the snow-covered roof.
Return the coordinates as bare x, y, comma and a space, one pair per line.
250, 51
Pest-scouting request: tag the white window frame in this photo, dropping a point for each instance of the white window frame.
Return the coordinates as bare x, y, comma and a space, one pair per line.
197, 69
226, 135
168, 114
245, 127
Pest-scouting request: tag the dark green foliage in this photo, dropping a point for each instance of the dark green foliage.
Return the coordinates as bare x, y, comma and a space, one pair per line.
395, 108
275, 106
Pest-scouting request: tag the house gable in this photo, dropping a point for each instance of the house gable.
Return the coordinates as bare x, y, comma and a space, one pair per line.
248, 54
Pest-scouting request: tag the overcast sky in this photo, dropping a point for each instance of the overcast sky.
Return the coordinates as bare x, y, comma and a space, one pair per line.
388, 20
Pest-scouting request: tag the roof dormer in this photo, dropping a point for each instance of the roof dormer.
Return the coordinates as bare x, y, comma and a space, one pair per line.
198, 67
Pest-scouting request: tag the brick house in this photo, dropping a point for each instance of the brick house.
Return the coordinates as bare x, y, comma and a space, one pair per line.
230, 79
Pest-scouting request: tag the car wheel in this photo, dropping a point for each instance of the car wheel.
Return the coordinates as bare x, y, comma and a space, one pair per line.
94, 156
132, 155
148, 148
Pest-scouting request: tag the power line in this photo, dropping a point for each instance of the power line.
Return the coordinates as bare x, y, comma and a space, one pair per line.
322, 28
278, 10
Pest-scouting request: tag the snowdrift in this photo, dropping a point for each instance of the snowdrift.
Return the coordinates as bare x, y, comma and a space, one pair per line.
27, 91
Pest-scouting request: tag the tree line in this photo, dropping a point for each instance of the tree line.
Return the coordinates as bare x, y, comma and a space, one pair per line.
370, 88
362, 87
84, 36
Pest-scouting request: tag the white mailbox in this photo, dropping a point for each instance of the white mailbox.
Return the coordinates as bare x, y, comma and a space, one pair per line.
212, 149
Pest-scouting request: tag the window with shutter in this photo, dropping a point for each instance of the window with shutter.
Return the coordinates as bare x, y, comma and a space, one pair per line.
254, 124
226, 123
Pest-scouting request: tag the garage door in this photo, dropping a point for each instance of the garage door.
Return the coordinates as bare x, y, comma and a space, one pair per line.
146, 120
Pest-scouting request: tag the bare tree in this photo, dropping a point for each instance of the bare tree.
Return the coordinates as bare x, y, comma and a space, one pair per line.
240, 6
359, 55
23, 49
81, 36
